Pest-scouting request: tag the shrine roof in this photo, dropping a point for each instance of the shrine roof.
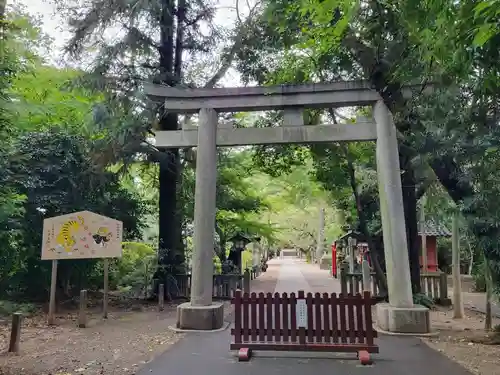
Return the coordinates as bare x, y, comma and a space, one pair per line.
433, 229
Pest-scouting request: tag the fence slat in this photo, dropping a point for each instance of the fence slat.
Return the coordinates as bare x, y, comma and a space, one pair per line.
335, 324
237, 316
317, 317
269, 316
262, 326
310, 322
359, 321
435, 288
277, 303
350, 317
293, 318
368, 317
429, 286
286, 325
253, 315
326, 317
246, 323
342, 318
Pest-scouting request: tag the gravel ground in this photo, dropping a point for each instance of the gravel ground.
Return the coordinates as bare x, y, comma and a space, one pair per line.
458, 341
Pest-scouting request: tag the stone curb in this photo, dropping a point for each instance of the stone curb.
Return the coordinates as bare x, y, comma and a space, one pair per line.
387, 333
179, 330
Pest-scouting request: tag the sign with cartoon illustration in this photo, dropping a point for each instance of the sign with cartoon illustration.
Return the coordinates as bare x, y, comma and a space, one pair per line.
81, 235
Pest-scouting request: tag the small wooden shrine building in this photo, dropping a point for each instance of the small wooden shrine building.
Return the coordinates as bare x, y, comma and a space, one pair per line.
432, 231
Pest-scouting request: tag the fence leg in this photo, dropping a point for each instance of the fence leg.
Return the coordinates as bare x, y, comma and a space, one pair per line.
343, 278
161, 297
82, 312
15, 333
246, 281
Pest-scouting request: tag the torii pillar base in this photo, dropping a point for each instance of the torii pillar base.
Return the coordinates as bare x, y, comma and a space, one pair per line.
200, 318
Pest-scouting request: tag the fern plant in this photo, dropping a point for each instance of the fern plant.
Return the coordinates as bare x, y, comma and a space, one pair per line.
423, 300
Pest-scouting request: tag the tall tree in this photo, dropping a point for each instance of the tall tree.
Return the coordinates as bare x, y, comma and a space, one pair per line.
155, 39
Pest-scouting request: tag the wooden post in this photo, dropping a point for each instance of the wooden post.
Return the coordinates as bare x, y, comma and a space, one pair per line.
343, 278
161, 297
351, 246
106, 288
423, 236
458, 307
443, 289
246, 281
367, 284
52, 298
15, 333
82, 312
489, 287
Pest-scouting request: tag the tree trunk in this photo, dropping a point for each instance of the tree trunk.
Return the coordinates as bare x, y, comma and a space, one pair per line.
363, 226
170, 251
408, 184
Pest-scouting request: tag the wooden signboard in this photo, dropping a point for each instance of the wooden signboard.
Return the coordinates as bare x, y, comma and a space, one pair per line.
81, 235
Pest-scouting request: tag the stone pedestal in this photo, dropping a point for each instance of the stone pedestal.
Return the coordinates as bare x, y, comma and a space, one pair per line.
409, 320
204, 318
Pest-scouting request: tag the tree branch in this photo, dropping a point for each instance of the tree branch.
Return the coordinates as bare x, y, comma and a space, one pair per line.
228, 59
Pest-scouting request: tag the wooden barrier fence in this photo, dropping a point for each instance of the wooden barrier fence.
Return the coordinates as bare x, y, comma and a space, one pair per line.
433, 285
320, 322
224, 286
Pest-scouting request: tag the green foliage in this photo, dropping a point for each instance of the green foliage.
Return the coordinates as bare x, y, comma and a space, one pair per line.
7, 308
43, 100
54, 171
135, 270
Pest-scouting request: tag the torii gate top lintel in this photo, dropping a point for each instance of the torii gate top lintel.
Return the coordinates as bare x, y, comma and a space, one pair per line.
261, 98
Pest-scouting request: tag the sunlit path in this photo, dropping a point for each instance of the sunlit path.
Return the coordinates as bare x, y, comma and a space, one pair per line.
290, 278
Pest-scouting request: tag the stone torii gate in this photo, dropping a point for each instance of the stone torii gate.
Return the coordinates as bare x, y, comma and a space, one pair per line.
201, 313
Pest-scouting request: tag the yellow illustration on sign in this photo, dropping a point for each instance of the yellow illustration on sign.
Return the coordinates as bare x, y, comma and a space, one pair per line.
81, 235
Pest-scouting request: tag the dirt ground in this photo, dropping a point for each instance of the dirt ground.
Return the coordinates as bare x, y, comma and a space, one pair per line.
118, 345
459, 340
131, 336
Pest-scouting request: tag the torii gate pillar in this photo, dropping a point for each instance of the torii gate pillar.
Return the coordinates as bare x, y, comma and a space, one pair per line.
400, 314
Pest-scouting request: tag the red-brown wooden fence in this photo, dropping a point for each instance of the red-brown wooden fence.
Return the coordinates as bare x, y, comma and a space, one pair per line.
334, 323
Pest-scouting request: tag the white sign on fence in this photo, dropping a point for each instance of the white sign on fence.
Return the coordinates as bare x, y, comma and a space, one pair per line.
301, 313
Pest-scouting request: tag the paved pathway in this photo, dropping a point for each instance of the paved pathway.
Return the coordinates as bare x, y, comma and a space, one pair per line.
207, 353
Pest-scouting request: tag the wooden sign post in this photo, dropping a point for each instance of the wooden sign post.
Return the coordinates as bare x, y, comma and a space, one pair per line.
106, 289
52, 300
81, 235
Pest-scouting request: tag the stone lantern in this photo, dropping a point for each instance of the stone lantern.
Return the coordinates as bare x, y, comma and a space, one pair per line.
240, 241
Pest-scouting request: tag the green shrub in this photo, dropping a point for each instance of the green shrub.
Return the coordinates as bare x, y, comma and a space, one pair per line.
423, 299
478, 277
135, 269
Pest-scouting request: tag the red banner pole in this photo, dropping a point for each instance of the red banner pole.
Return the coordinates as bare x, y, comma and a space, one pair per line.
334, 260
